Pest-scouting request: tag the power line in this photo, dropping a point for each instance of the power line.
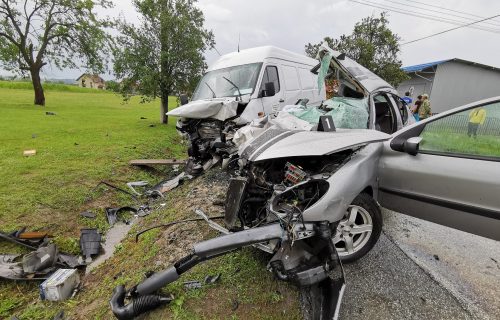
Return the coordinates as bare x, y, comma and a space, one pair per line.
444, 13
435, 34
433, 6
421, 15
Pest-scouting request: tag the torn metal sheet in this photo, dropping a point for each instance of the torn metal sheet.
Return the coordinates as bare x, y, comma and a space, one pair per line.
112, 214
132, 185
170, 184
42, 258
220, 109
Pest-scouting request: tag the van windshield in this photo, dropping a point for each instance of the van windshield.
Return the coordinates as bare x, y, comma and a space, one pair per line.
213, 84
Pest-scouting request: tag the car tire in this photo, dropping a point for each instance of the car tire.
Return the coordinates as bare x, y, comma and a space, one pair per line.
353, 236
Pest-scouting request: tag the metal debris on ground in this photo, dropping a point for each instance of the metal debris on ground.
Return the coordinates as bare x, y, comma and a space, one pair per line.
112, 214
50, 113
211, 279
150, 162
60, 285
90, 243
190, 285
88, 214
132, 185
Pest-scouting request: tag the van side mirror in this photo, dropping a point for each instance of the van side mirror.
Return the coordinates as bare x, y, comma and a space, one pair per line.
411, 145
183, 98
269, 89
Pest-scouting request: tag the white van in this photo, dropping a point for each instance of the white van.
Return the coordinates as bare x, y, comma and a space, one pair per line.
264, 79
240, 87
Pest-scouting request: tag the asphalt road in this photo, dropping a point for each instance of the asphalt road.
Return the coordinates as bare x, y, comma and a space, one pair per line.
420, 270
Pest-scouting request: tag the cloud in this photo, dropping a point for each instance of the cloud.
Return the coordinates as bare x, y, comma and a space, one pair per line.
291, 24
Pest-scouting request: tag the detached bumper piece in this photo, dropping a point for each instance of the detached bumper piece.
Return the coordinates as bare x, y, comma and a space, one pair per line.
324, 270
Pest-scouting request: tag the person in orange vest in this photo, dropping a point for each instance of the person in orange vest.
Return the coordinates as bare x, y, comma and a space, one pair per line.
476, 118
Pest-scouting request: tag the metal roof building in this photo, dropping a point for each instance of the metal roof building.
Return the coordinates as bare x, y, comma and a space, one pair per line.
451, 83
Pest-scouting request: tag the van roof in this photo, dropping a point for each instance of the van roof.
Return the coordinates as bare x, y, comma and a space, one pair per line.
258, 54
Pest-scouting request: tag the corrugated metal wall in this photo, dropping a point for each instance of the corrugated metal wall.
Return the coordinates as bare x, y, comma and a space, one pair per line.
456, 84
419, 85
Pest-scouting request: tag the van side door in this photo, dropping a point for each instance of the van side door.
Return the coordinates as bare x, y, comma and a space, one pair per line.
270, 90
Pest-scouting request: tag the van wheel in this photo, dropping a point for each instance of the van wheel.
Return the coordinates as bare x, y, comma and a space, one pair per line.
359, 230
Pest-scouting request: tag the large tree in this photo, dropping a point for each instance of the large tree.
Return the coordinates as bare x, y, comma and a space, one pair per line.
163, 55
373, 45
62, 33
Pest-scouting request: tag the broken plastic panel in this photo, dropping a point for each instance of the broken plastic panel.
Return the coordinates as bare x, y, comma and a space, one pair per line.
323, 70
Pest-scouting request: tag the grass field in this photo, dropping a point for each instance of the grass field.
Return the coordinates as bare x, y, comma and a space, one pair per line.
91, 138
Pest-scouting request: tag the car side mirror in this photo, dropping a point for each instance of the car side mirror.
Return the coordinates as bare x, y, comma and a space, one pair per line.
411, 145
269, 89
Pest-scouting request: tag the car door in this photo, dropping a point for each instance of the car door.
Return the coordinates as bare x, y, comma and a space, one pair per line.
446, 169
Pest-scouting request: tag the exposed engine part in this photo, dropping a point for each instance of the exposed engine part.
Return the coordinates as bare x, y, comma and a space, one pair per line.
298, 198
294, 174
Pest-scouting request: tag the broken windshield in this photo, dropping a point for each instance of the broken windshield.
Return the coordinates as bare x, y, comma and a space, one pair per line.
215, 83
347, 113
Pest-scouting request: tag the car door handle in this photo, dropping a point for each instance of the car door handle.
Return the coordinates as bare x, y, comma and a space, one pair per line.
281, 100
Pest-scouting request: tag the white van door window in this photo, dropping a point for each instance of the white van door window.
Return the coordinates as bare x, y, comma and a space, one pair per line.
306, 79
270, 75
291, 78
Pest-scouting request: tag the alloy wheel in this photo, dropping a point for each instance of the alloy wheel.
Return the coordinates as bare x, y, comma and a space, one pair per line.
353, 231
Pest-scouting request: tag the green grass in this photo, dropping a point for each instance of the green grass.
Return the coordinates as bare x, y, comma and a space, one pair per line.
49, 86
443, 141
91, 138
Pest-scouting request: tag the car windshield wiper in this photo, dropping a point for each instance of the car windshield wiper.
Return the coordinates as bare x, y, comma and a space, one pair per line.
213, 92
234, 86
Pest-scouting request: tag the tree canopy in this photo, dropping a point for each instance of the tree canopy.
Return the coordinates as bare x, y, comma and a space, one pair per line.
373, 45
61, 33
163, 55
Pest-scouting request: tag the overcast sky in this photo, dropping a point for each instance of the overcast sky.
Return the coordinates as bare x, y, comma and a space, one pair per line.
291, 24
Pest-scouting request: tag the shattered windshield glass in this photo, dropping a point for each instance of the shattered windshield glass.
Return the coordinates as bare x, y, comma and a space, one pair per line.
347, 113
215, 84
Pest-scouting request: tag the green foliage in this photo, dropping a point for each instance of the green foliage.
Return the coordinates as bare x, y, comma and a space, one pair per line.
112, 86
164, 54
373, 45
57, 32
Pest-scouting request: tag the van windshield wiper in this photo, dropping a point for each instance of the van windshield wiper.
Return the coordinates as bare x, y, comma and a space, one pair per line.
235, 86
213, 92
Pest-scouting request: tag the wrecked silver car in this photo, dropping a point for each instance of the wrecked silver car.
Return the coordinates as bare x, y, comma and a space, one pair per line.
311, 197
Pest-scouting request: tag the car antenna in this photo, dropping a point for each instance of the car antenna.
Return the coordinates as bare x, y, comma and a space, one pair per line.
239, 38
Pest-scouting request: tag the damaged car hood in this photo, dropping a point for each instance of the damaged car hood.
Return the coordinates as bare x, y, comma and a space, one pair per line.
220, 109
278, 143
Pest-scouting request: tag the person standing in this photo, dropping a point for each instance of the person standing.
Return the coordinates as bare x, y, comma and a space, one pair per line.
407, 98
416, 108
425, 108
476, 118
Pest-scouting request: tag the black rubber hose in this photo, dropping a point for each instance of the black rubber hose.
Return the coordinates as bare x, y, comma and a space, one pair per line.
136, 307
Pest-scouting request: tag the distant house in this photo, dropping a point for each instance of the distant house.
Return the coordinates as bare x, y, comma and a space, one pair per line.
93, 81
451, 83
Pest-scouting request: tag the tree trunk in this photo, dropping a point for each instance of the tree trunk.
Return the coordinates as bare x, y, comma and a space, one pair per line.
37, 86
164, 107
